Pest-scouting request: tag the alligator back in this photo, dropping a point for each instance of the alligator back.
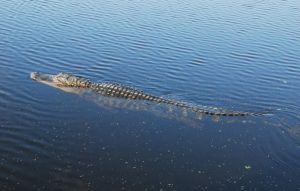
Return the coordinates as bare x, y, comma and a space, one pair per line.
121, 91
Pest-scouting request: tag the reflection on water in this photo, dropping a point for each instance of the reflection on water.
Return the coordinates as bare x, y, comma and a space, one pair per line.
172, 112
236, 55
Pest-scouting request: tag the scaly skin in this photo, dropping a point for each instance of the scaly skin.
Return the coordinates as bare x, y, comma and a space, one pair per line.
116, 90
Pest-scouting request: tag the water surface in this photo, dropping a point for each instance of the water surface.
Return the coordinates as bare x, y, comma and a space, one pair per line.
236, 55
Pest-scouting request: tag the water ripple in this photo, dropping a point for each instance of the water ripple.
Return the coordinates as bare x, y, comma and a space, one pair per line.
241, 56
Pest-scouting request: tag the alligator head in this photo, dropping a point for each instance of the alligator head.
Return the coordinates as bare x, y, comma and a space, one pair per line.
61, 80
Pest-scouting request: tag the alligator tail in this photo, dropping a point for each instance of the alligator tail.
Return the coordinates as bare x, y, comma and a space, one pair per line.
206, 111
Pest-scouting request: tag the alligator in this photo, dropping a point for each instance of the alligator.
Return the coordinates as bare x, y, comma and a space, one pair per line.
64, 80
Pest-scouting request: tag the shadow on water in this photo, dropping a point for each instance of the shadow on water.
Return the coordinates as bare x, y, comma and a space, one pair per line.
171, 112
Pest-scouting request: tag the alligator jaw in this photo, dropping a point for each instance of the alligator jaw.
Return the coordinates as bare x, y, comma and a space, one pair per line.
43, 78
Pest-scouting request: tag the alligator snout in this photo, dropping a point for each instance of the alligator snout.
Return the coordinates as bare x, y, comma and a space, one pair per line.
33, 75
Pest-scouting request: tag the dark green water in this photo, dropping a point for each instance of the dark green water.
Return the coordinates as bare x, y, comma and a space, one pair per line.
241, 55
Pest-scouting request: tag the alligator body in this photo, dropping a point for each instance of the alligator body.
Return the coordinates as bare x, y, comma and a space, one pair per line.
63, 80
